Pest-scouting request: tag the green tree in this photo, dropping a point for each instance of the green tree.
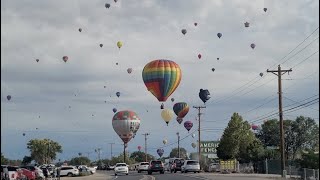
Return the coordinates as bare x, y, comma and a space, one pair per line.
4, 160
309, 160
119, 159
175, 153
26, 160
43, 150
139, 156
80, 161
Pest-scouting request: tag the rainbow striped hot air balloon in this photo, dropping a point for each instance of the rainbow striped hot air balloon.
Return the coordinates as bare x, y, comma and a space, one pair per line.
161, 77
181, 109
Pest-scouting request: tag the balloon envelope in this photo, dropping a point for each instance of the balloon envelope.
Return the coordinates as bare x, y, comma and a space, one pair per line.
195, 24
129, 70
160, 152
118, 94
254, 127
261, 74
193, 135
252, 45
114, 110
219, 35
166, 115
80, 29
139, 148
126, 124
194, 145
8, 97
246, 24
161, 77
179, 120
181, 109
119, 44
107, 5
165, 141
265, 9
37, 60
188, 125
101, 45
184, 31
65, 58
204, 95
199, 56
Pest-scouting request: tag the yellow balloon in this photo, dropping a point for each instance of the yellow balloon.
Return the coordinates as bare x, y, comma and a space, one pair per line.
167, 115
165, 141
119, 44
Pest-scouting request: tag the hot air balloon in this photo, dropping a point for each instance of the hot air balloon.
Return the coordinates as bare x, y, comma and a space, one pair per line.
188, 125
218, 59
139, 148
101, 45
104, 86
261, 74
204, 95
119, 44
166, 115
246, 24
107, 5
213, 69
160, 152
193, 135
162, 106
117, 63
184, 31
126, 124
24, 134
199, 56
80, 29
172, 99
115, 1
118, 94
129, 70
105, 101
265, 9
114, 110
8, 97
194, 145
37, 60
181, 109
165, 141
254, 127
161, 78
219, 35
252, 45
195, 24
179, 120
65, 58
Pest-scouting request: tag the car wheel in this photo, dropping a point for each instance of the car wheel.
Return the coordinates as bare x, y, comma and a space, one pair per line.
127, 174
69, 174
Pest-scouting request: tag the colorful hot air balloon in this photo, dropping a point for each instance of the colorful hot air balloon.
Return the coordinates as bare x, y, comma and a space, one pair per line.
166, 115
204, 95
265, 9
194, 145
107, 5
219, 35
126, 124
172, 99
193, 135
139, 148
195, 24
101, 45
80, 29
199, 56
114, 110
65, 58
160, 152
37, 60
252, 45
261, 74
129, 70
188, 125
118, 94
119, 44
184, 31
181, 109
165, 141
254, 127
8, 97
179, 120
161, 77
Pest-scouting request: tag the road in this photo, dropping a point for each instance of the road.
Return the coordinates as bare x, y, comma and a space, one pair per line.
109, 175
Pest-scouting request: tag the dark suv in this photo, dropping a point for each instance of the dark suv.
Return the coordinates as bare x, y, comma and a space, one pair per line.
155, 166
176, 165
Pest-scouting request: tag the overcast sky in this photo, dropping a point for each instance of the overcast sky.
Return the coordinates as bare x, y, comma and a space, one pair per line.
149, 29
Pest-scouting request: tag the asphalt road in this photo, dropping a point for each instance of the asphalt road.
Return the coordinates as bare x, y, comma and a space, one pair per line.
109, 175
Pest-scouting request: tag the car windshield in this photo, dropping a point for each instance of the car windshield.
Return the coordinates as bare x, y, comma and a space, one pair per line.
120, 165
192, 163
156, 162
144, 163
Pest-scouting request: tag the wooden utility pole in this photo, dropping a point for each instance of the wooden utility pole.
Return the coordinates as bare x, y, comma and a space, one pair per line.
145, 146
199, 116
279, 73
178, 144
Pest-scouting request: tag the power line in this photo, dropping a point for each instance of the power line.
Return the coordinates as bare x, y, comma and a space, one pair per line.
298, 102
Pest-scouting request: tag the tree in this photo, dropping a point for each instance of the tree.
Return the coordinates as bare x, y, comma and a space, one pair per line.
175, 153
4, 160
26, 160
43, 150
79, 161
139, 156
309, 160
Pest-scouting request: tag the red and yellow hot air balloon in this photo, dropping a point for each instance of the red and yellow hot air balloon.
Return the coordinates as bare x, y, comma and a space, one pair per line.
161, 77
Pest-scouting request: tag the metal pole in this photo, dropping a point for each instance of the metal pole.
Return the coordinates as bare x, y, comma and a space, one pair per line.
124, 152
178, 144
111, 151
145, 146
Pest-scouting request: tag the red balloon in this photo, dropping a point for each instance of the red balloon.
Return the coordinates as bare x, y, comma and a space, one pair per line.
199, 56
65, 58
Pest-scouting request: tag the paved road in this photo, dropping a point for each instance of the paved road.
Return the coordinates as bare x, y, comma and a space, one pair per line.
109, 175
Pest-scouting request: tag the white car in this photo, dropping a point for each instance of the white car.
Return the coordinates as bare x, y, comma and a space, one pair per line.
190, 166
69, 171
143, 166
121, 168
92, 170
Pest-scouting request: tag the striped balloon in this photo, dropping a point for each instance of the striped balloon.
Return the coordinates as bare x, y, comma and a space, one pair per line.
181, 109
161, 77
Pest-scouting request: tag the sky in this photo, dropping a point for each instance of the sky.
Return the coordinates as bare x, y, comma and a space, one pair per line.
286, 34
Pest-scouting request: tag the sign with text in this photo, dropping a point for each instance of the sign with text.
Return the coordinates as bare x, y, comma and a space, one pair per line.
209, 148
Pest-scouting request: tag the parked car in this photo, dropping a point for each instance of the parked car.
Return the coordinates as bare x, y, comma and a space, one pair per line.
39, 173
121, 168
214, 167
190, 166
92, 170
15, 172
143, 166
29, 174
156, 166
110, 167
175, 164
69, 171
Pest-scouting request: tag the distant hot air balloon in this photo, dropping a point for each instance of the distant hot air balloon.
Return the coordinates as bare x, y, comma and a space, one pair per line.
252, 45
193, 135
254, 127
195, 24
219, 35
104, 86
165, 141
265, 9
246, 24
65, 58
162, 106
80, 29
218, 59
117, 63
166, 115
160, 152
115, 1
213, 69
179, 120
204, 95
105, 101
172, 99
119, 44
188, 125
24, 134
101, 45
194, 145
118, 94
37, 60
184, 31
161, 77
199, 56
181, 109
107, 5
261, 74
129, 70
114, 110
126, 124
139, 148
8, 97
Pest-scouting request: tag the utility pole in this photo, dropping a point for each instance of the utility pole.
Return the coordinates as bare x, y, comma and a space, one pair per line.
145, 145
98, 151
279, 73
111, 151
124, 152
199, 116
178, 144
